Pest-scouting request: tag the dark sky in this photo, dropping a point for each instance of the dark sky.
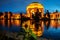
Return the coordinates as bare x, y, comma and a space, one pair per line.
20, 5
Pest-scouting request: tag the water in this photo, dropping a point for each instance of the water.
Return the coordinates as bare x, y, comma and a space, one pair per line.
49, 29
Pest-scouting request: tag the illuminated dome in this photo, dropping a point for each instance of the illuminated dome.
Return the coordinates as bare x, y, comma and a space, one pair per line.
35, 4
32, 8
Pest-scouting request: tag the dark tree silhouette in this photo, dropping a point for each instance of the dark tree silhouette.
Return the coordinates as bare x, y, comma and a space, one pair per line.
48, 24
6, 18
48, 14
56, 11
1, 13
6, 15
37, 15
33, 16
10, 13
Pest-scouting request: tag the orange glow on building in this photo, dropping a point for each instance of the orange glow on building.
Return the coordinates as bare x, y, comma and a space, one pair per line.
2, 17
31, 8
16, 16
55, 15
24, 15
8, 15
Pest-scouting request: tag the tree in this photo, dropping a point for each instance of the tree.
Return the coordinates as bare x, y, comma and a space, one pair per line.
48, 14
6, 15
10, 15
56, 11
1, 13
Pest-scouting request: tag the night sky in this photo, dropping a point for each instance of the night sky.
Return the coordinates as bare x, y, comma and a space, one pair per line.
20, 5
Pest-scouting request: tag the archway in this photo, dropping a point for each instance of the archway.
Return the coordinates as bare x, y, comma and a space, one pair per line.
32, 8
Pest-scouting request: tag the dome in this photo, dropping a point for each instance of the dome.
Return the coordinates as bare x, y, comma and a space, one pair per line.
34, 5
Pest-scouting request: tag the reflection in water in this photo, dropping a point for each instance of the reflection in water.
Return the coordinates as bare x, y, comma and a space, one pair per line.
55, 23
58, 22
47, 23
10, 22
16, 22
2, 22
37, 27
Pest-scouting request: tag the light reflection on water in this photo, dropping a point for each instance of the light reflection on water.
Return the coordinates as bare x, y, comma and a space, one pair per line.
48, 29
36, 27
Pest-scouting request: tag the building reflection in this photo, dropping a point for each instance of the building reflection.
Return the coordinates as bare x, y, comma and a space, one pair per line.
36, 27
16, 22
52, 23
2, 22
55, 23
8, 23
47, 24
